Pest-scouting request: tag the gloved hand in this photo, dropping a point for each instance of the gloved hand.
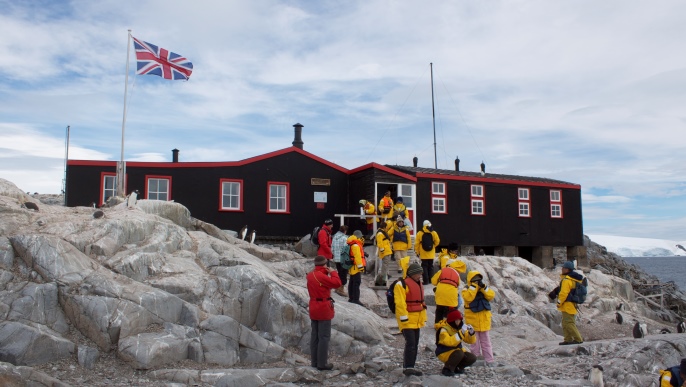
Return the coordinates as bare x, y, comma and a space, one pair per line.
366, 255
481, 284
470, 329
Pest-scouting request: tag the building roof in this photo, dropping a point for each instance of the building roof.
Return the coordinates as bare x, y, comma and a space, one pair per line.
477, 176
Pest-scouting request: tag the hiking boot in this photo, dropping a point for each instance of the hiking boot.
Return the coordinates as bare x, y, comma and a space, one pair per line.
459, 371
447, 372
566, 343
417, 372
341, 292
412, 371
327, 367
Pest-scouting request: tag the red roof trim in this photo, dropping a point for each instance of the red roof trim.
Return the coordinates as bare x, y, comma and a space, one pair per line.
498, 181
383, 168
250, 160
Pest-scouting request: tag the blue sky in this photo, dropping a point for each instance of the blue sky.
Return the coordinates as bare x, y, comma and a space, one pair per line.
582, 91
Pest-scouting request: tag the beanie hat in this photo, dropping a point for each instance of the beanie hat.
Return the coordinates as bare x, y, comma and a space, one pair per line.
328, 222
357, 233
452, 247
427, 223
363, 202
454, 316
682, 367
399, 199
319, 260
399, 219
568, 265
414, 269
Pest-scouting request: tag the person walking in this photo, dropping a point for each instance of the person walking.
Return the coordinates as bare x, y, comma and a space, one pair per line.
386, 207
320, 281
369, 209
425, 248
450, 334
356, 244
384, 253
324, 239
338, 243
674, 376
477, 313
410, 313
399, 209
401, 239
447, 285
569, 279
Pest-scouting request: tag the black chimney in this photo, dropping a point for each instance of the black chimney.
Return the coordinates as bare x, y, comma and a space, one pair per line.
415, 160
298, 141
457, 164
175, 155
483, 168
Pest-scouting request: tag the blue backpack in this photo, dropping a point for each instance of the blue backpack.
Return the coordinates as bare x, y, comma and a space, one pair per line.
346, 260
578, 294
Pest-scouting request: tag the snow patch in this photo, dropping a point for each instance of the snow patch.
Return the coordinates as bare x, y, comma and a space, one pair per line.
639, 247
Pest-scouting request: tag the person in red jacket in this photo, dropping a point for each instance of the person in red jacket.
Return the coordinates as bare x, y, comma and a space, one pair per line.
324, 238
320, 281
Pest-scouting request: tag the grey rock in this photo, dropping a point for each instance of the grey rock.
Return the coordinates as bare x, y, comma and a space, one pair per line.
510, 370
20, 376
22, 344
441, 381
88, 356
6, 254
148, 350
37, 303
188, 377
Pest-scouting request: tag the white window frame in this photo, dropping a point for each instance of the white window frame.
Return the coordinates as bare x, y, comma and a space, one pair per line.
157, 193
438, 205
280, 199
524, 191
480, 188
105, 190
438, 188
559, 196
479, 210
238, 195
524, 210
555, 210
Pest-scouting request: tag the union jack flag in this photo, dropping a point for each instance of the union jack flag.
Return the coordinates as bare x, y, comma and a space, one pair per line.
158, 61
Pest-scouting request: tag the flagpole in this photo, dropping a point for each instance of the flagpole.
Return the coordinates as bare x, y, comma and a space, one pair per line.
66, 159
121, 168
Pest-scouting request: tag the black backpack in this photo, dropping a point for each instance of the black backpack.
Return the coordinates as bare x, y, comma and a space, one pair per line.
390, 295
314, 237
427, 241
578, 294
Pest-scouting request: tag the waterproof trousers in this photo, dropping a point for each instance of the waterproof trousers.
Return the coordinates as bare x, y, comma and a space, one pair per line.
342, 273
460, 360
319, 342
411, 345
569, 330
428, 267
354, 287
383, 271
483, 347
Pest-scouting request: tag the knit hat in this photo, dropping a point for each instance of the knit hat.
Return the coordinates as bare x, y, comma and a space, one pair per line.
399, 219
427, 223
328, 222
453, 247
568, 265
454, 316
319, 260
414, 269
399, 199
682, 367
363, 202
357, 233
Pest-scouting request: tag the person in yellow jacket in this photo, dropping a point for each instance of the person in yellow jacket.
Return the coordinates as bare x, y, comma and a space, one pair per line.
401, 239
674, 376
369, 209
569, 280
426, 254
384, 253
399, 209
477, 313
386, 207
451, 332
410, 313
358, 267
447, 289
451, 253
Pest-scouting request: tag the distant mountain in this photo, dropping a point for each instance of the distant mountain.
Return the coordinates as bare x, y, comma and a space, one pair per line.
639, 247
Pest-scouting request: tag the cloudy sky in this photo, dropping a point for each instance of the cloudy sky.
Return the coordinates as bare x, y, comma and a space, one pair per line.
587, 92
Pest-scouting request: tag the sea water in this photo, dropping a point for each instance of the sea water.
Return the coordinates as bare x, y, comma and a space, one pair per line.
664, 268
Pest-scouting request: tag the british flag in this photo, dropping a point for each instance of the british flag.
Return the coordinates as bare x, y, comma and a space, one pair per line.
158, 61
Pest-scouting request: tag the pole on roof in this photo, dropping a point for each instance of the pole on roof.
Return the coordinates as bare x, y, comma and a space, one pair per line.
433, 113
66, 158
121, 168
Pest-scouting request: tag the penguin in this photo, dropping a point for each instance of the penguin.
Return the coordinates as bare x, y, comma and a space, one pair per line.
665, 331
618, 318
98, 214
133, 198
638, 332
30, 206
644, 329
596, 376
620, 306
244, 232
681, 327
253, 234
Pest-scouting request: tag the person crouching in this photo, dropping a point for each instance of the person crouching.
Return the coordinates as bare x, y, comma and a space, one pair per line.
320, 281
450, 334
410, 312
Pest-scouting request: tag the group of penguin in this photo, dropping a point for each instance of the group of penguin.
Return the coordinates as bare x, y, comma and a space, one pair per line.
641, 329
244, 233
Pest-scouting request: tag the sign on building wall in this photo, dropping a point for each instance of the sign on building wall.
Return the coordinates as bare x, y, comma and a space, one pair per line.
317, 181
320, 197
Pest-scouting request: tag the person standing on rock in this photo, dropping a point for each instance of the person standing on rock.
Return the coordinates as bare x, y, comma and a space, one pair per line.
425, 247
674, 376
384, 252
450, 334
447, 289
410, 312
324, 239
569, 280
320, 281
338, 242
477, 313
356, 243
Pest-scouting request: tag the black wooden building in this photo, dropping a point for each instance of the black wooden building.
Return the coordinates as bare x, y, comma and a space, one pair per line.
285, 193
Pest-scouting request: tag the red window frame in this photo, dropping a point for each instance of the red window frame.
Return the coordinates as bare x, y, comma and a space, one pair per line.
481, 198
288, 193
442, 196
160, 177
557, 202
526, 201
221, 195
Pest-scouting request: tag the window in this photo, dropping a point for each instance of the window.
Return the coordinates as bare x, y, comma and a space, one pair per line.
438, 188
478, 200
406, 193
158, 187
231, 194
278, 197
439, 199
555, 204
108, 187
524, 203
438, 206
